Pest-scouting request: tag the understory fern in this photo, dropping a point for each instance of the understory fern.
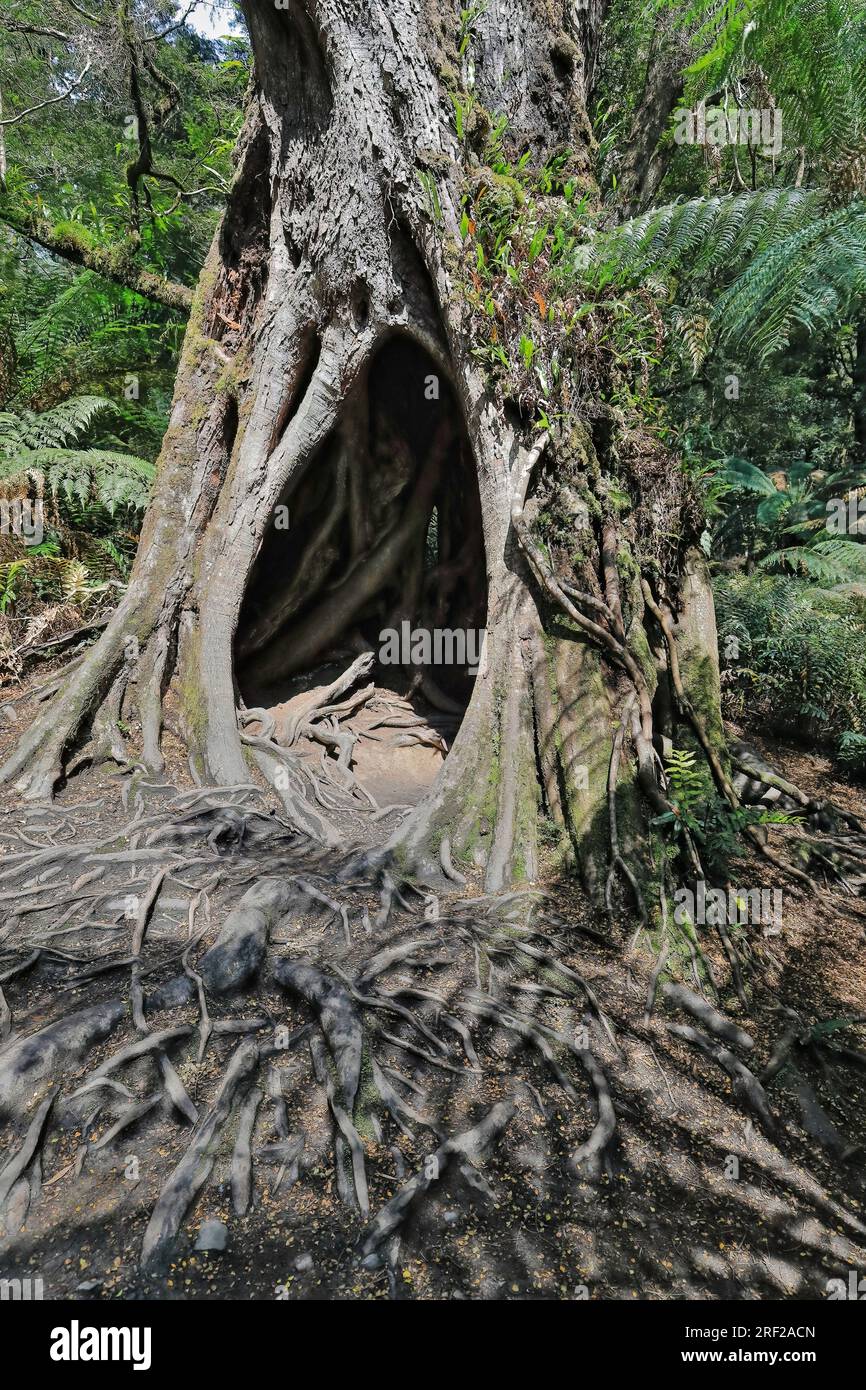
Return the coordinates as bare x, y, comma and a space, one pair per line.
83, 330
34, 449
794, 657
97, 497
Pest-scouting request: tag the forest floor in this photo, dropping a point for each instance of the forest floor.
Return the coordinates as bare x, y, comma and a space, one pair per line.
694, 1200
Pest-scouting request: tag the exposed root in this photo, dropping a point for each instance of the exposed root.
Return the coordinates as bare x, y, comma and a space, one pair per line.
589, 1155
20, 1161
242, 1171
337, 1015
392, 1042
617, 862
192, 1172
746, 1085
347, 1133
448, 868
715, 1022
470, 1145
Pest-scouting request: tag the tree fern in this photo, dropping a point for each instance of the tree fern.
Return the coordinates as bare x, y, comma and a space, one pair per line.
738, 474
782, 260
800, 653
810, 278
702, 236
829, 562
811, 54
109, 478
49, 429
86, 330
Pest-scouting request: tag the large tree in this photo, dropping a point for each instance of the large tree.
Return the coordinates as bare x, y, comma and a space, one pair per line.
346, 233
405, 393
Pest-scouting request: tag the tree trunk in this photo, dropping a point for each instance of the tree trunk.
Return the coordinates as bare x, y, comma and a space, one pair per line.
644, 163
343, 237
859, 384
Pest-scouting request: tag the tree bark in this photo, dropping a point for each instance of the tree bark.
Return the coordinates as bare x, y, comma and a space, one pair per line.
645, 164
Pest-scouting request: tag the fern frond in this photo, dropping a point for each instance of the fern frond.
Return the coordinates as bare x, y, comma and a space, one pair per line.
695, 330
111, 479
795, 262
702, 236
49, 429
811, 52
828, 562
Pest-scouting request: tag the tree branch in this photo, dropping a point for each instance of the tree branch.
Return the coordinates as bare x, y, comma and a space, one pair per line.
18, 26
85, 14
52, 101
108, 262
172, 28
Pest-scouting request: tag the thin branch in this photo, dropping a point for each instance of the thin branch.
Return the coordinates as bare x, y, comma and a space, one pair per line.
17, 26
52, 101
172, 28
85, 14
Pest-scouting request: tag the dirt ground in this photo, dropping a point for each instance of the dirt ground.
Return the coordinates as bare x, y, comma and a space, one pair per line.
694, 1199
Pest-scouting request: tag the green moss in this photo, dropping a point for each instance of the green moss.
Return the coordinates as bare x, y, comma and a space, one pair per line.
190, 694
639, 647
481, 802
119, 260
234, 374
449, 77
511, 186
367, 1100
527, 810
400, 855
74, 235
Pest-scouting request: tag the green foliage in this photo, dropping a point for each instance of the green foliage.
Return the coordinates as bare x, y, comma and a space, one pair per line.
811, 53
699, 813
97, 497
781, 261
86, 366
63, 331
34, 448
852, 751
784, 522
80, 331
798, 659
540, 332
469, 17
68, 161
757, 263
686, 782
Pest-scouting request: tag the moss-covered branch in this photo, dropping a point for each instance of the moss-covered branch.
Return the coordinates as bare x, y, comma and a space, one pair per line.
74, 243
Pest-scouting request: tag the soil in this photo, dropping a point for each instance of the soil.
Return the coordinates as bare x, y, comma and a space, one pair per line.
693, 1201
